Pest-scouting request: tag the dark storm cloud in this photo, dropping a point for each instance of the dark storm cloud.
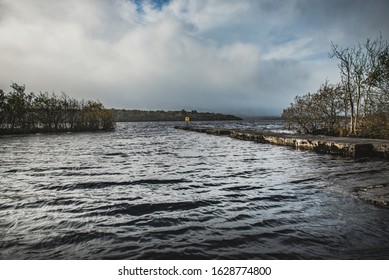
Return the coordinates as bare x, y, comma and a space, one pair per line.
232, 56
353, 20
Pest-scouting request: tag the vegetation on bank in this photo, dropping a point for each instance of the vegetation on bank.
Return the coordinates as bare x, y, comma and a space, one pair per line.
22, 112
358, 105
141, 115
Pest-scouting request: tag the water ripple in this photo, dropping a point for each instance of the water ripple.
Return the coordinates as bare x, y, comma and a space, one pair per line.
147, 191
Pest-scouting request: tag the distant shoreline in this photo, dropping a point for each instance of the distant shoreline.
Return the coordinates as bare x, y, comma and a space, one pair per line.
124, 115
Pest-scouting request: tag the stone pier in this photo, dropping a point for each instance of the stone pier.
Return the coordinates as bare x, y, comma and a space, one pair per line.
342, 146
358, 148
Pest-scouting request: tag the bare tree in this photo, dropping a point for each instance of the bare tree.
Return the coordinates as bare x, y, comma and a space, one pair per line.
362, 70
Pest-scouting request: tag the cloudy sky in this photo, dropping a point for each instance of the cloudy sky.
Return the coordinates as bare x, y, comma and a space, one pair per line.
247, 57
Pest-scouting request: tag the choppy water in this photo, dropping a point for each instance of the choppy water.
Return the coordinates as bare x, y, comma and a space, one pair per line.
148, 191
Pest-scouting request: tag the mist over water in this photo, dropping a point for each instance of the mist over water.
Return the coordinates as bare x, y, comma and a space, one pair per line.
148, 191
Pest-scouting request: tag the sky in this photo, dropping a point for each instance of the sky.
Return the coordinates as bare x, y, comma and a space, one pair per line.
246, 57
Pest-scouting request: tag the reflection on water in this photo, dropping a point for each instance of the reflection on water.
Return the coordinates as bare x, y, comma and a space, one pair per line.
147, 191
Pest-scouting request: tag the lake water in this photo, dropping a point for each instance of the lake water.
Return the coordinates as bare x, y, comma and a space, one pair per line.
148, 191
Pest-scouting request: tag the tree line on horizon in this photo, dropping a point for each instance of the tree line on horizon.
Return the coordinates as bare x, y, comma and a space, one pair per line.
123, 115
356, 106
22, 112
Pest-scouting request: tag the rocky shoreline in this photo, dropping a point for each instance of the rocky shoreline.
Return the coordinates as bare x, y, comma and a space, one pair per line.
343, 146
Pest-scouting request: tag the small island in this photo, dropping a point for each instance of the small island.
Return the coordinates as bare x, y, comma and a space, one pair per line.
23, 113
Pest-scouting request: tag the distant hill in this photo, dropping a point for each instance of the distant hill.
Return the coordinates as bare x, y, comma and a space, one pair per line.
122, 115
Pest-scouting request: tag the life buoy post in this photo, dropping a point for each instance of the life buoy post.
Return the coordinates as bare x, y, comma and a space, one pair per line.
187, 119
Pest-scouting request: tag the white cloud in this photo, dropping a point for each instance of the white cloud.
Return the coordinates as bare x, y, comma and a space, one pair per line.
295, 49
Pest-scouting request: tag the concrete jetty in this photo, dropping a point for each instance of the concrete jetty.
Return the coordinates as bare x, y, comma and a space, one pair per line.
342, 146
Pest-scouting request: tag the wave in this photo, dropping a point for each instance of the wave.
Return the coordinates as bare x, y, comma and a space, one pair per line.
147, 191
147, 208
103, 184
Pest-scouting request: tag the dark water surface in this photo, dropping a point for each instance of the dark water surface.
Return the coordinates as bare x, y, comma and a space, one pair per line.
148, 191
